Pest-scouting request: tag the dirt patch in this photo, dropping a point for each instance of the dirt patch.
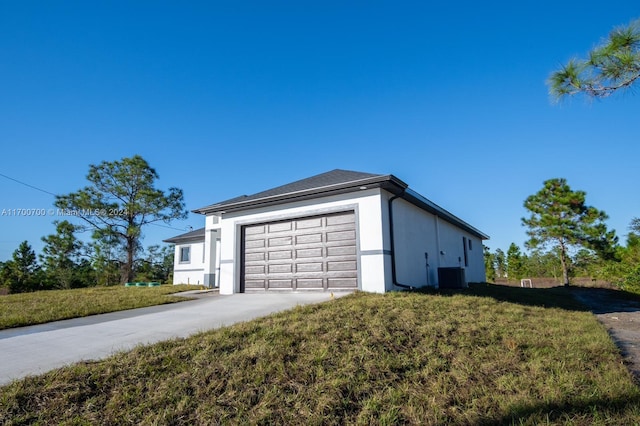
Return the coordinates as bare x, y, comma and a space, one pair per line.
619, 312
546, 282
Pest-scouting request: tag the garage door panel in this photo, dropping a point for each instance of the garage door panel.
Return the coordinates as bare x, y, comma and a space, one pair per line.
312, 283
305, 253
336, 273
280, 283
280, 268
254, 230
280, 227
280, 254
336, 246
341, 236
280, 241
309, 252
308, 239
252, 244
255, 269
255, 256
254, 284
342, 282
338, 250
319, 259
304, 224
337, 219
341, 266
320, 230
342, 226
309, 267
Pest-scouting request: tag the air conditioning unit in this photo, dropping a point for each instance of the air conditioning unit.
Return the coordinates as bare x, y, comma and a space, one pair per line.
451, 278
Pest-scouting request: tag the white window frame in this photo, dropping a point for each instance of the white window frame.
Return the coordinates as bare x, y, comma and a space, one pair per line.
183, 250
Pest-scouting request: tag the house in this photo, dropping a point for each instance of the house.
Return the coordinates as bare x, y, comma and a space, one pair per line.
188, 261
339, 230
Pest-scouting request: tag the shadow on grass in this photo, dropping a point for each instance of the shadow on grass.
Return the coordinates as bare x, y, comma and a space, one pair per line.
597, 300
624, 408
598, 410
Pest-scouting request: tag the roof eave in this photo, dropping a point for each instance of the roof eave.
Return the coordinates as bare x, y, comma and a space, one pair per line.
192, 236
183, 240
388, 182
420, 201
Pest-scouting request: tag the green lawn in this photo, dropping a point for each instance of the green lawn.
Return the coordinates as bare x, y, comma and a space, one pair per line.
17, 310
483, 356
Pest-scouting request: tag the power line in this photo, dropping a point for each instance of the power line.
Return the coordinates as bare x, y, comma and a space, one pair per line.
26, 184
55, 195
166, 226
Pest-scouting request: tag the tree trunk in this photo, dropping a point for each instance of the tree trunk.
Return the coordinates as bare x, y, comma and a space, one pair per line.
565, 266
128, 266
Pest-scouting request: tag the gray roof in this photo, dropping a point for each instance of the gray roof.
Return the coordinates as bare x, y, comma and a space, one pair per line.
330, 183
195, 235
335, 181
333, 177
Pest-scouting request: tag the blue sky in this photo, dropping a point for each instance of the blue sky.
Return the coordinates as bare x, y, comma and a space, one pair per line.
231, 98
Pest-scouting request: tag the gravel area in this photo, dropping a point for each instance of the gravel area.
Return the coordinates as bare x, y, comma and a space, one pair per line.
621, 316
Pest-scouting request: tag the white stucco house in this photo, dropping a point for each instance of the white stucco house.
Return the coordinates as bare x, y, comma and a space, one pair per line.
339, 230
188, 261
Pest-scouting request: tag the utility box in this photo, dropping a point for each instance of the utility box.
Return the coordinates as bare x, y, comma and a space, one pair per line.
451, 278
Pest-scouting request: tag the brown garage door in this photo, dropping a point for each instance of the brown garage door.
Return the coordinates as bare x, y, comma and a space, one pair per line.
316, 252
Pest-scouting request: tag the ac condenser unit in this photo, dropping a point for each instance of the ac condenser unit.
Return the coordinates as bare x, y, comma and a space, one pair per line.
451, 278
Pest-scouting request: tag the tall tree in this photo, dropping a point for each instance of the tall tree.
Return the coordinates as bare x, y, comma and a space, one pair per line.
157, 264
164, 264
630, 260
585, 263
543, 264
489, 264
561, 220
120, 200
611, 66
626, 270
515, 262
61, 254
501, 264
21, 273
104, 259
4, 273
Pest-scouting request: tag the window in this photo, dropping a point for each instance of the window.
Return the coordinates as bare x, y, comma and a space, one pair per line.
470, 248
464, 246
185, 252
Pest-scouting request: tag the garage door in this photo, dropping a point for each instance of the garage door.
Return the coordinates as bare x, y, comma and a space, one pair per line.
316, 252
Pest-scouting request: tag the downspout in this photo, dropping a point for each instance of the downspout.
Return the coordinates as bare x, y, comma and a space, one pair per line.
393, 245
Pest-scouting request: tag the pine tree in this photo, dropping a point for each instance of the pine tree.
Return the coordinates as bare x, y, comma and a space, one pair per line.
610, 67
120, 200
561, 220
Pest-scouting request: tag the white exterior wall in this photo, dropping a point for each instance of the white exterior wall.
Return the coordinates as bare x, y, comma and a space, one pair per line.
475, 272
191, 272
417, 232
211, 251
451, 244
414, 235
373, 266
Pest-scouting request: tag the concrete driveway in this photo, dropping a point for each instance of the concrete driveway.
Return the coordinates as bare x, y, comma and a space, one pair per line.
37, 349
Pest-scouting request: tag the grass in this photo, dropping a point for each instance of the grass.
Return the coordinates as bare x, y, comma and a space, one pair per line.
483, 356
17, 310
